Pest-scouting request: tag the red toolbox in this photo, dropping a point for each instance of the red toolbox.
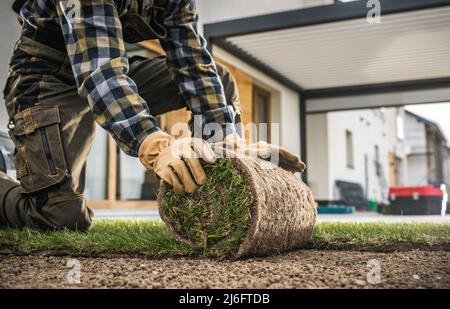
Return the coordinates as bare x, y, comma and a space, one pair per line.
422, 200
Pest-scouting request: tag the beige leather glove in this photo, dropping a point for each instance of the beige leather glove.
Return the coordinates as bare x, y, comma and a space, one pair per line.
286, 159
177, 161
278, 155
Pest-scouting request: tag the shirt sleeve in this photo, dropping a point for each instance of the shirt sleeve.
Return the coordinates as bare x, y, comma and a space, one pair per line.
93, 35
193, 69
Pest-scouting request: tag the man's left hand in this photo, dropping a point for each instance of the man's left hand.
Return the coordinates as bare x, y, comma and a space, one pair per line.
233, 144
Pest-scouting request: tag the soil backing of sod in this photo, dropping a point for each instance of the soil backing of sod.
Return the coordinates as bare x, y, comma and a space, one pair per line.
246, 207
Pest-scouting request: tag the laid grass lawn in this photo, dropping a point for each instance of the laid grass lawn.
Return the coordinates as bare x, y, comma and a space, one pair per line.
150, 238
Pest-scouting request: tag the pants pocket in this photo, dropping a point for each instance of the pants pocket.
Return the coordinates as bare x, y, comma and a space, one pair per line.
39, 158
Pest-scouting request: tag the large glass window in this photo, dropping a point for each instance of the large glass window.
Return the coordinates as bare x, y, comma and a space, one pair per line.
135, 183
96, 170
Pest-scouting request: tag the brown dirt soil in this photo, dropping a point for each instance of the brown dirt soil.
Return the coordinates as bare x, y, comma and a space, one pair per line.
299, 269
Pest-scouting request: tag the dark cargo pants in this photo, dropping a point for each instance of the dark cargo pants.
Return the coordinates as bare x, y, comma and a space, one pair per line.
53, 130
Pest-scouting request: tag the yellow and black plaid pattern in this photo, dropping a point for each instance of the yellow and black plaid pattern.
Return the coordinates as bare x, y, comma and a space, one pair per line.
95, 47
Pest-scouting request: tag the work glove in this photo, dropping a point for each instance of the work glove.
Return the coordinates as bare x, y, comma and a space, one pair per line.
233, 144
177, 162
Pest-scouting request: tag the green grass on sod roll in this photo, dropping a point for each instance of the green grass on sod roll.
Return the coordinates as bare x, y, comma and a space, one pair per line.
201, 216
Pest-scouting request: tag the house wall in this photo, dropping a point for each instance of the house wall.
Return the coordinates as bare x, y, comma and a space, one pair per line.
446, 166
422, 153
415, 135
396, 145
319, 156
370, 128
417, 170
361, 124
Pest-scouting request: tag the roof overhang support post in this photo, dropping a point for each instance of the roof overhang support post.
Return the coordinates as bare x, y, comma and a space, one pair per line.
210, 44
303, 134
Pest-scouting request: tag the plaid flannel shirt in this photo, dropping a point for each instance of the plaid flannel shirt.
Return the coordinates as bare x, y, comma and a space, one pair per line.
93, 35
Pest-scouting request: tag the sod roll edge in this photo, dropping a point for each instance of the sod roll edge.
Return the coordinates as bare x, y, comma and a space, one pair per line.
247, 207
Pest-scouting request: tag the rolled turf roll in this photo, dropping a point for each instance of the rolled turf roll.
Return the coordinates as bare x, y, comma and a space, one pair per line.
247, 207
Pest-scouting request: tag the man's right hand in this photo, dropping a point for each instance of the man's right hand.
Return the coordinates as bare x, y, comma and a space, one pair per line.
177, 161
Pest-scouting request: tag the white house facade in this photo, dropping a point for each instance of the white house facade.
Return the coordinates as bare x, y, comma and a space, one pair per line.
364, 147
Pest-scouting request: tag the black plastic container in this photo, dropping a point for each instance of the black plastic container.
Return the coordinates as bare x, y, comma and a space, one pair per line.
424, 205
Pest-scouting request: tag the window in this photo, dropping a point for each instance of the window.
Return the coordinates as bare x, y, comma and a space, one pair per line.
135, 183
349, 148
261, 114
96, 167
115, 180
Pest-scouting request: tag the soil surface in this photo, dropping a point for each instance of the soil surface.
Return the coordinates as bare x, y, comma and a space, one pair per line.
300, 269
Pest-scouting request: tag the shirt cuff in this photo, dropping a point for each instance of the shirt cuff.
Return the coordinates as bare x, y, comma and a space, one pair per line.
213, 126
134, 151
